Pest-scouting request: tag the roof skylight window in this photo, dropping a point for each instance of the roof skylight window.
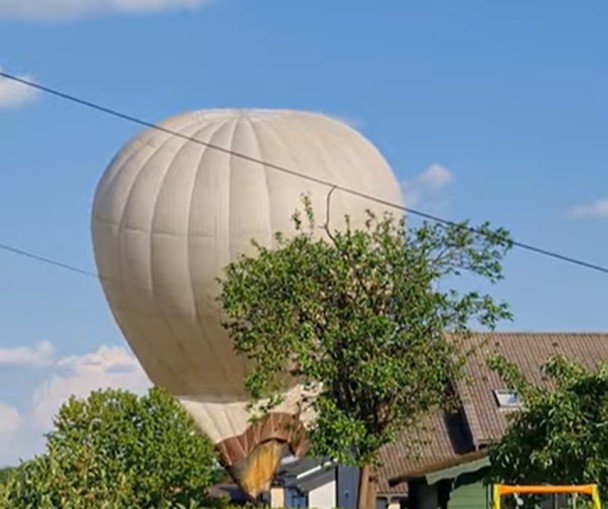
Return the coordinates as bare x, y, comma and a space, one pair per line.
506, 398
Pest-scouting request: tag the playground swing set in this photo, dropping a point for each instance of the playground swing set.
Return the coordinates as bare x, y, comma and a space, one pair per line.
500, 490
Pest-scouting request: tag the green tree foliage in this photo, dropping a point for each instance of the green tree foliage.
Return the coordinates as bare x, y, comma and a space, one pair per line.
359, 318
5, 473
561, 434
115, 450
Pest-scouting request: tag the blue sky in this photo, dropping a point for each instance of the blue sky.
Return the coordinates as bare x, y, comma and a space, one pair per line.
485, 110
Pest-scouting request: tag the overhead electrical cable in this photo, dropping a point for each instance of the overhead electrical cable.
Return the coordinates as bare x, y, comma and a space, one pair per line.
47, 260
332, 185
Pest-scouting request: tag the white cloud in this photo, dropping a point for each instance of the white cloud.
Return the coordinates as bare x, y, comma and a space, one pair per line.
69, 9
426, 186
435, 176
107, 367
10, 420
595, 209
10, 424
22, 429
12, 93
39, 355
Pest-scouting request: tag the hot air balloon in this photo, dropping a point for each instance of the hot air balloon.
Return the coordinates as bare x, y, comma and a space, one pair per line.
169, 214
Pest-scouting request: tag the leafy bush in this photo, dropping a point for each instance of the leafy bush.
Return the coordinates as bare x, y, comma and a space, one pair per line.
114, 451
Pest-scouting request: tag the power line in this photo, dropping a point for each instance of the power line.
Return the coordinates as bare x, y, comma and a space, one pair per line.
48, 261
283, 169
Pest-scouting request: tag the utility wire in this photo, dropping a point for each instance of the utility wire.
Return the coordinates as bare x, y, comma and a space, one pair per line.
332, 185
48, 261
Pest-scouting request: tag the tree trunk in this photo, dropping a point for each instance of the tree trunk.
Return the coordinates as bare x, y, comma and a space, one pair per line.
363, 495
372, 490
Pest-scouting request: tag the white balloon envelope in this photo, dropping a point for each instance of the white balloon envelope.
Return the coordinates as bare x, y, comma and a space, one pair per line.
169, 215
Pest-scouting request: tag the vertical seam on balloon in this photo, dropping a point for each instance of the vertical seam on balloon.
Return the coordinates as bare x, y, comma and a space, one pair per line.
214, 352
268, 193
334, 177
270, 128
294, 164
121, 227
139, 172
229, 181
227, 417
230, 166
265, 173
211, 417
189, 124
155, 293
326, 160
230, 177
105, 185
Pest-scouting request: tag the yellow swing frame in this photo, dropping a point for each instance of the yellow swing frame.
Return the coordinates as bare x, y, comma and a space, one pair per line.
499, 490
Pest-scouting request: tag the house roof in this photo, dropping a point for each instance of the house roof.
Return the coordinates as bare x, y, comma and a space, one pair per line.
443, 439
439, 439
306, 474
316, 479
299, 467
528, 351
446, 469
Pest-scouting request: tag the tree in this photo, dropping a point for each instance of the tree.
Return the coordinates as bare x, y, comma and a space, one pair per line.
116, 450
358, 318
5, 473
561, 434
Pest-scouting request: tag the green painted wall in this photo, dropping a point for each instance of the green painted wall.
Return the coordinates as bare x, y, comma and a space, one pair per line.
470, 496
468, 492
